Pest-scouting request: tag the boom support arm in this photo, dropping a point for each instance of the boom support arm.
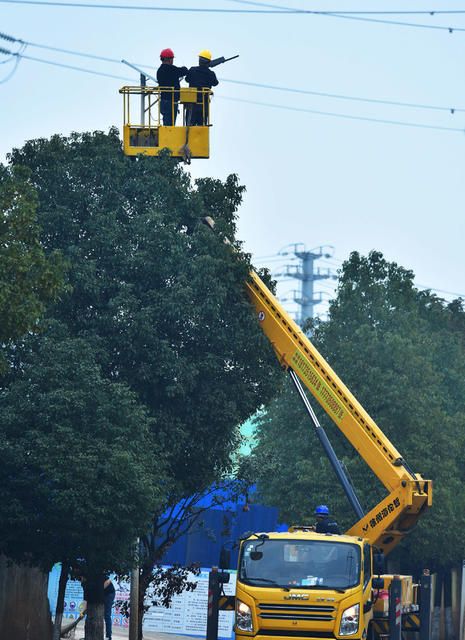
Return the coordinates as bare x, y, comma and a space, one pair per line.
410, 494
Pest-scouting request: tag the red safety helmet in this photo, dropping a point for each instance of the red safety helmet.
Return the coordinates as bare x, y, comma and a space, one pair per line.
166, 53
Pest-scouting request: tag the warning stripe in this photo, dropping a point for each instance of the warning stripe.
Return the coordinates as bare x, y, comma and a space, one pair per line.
227, 603
411, 622
210, 603
398, 612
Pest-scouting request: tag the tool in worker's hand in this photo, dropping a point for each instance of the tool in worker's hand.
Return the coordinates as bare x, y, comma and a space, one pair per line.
217, 61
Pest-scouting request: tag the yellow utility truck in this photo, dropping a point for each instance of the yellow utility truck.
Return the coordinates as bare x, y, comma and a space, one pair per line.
307, 585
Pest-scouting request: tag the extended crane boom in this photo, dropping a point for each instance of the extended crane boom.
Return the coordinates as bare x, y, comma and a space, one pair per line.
410, 494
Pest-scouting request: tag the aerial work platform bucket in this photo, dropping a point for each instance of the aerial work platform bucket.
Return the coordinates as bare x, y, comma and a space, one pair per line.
143, 128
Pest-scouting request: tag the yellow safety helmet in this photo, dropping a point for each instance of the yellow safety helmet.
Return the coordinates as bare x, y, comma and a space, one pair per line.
205, 54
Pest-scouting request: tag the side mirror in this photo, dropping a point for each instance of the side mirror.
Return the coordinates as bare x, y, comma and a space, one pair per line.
379, 563
377, 583
225, 558
367, 606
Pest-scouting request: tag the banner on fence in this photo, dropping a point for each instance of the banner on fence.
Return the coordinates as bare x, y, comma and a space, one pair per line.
186, 616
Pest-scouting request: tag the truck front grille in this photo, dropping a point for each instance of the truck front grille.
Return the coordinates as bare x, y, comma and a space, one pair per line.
295, 634
274, 611
296, 607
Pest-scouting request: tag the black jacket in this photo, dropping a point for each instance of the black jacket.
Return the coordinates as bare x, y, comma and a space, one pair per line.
168, 75
327, 525
201, 77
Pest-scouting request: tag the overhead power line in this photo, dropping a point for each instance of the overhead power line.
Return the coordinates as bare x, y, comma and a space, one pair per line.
69, 51
262, 104
349, 15
83, 5
340, 96
273, 10
424, 12
337, 96
12, 56
452, 293
9, 75
66, 66
344, 115
19, 55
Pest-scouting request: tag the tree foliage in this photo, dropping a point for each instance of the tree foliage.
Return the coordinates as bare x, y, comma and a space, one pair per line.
79, 478
401, 352
155, 309
159, 296
30, 279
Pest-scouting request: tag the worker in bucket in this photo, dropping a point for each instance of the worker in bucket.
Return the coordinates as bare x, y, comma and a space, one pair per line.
201, 77
168, 76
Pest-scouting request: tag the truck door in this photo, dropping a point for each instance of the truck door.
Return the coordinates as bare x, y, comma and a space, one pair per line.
367, 592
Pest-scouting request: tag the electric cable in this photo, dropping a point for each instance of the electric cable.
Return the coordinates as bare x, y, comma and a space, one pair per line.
68, 66
71, 52
83, 5
12, 72
6, 53
277, 10
348, 15
323, 94
344, 115
339, 96
431, 12
327, 285
12, 56
452, 293
257, 103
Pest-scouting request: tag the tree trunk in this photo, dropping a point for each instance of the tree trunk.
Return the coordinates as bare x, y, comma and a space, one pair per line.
93, 629
145, 578
94, 613
448, 620
60, 602
24, 606
436, 621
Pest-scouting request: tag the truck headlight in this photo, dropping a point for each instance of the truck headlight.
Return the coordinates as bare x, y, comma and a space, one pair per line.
244, 620
349, 621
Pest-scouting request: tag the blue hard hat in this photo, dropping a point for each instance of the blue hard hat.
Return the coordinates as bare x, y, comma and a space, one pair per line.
322, 509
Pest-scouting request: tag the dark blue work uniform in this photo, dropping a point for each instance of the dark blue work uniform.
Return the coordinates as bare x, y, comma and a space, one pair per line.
326, 524
109, 596
201, 77
168, 78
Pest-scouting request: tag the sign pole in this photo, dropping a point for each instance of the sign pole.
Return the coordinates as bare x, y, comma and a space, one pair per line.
395, 613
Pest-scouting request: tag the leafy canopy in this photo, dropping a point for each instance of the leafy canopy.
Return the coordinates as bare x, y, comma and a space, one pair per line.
29, 279
79, 477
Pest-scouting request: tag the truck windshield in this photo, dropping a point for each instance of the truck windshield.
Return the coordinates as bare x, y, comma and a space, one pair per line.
302, 563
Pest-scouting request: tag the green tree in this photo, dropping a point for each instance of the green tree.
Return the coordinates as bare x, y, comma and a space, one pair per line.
29, 278
80, 475
159, 299
401, 352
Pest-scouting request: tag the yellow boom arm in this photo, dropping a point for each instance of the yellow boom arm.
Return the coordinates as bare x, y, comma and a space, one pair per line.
410, 494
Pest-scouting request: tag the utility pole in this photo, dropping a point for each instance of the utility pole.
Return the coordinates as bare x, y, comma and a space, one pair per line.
307, 274
134, 598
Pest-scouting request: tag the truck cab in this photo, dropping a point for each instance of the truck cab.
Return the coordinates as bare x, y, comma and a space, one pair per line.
303, 584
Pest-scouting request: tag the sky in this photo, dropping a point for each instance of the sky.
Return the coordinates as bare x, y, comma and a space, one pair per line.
311, 178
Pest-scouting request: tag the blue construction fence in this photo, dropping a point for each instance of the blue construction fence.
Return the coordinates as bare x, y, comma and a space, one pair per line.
216, 526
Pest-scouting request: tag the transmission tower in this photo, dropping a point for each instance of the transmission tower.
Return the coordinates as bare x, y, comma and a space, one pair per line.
307, 274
